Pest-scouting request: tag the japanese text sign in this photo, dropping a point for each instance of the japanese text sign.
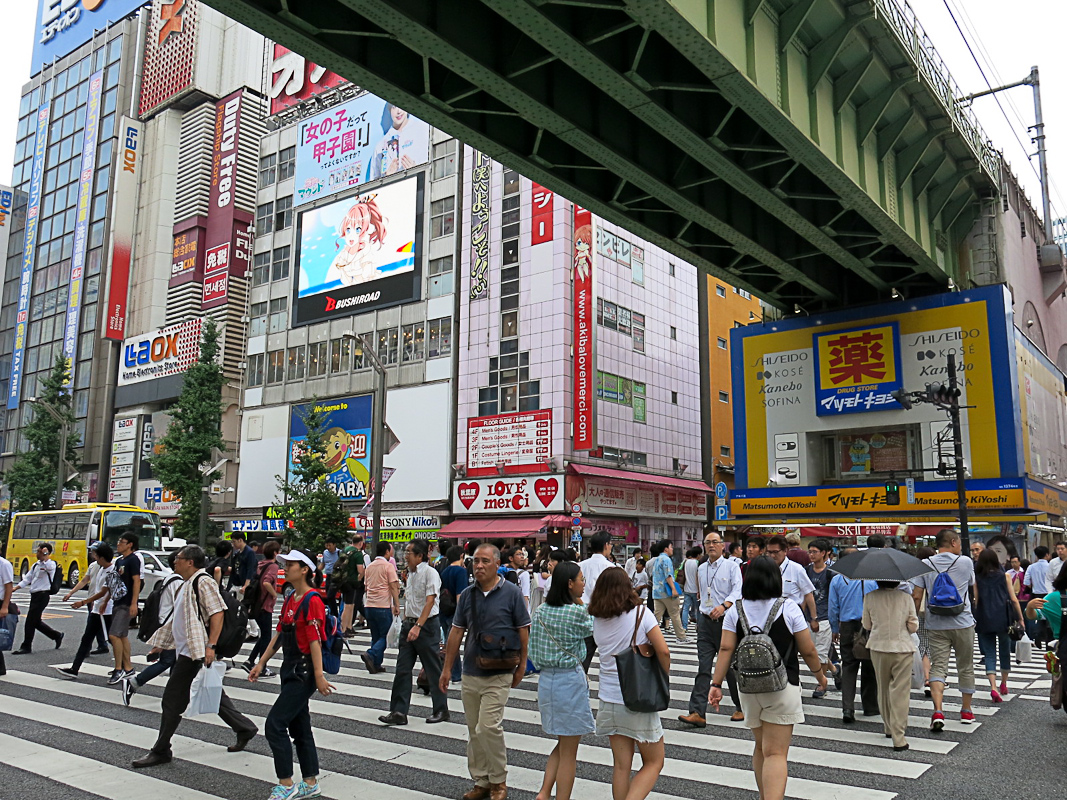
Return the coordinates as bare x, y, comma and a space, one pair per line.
857, 369
480, 204
294, 78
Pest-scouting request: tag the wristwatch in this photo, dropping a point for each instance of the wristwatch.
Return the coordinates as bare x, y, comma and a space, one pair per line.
717, 685
210, 646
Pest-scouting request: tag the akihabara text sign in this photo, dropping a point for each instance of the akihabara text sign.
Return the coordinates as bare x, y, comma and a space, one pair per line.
294, 78
167, 351
508, 495
348, 443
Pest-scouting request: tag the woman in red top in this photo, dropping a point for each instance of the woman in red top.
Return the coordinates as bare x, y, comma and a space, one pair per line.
301, 632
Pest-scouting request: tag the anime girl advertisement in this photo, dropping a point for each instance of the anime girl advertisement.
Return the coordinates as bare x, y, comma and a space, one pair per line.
359, 239
348, 443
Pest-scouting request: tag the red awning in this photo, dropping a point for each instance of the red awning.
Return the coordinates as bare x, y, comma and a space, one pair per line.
640, 477
563, 521
494, 528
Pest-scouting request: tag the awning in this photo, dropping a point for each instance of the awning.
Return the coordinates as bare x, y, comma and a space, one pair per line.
640, 477
495, 528
563, 521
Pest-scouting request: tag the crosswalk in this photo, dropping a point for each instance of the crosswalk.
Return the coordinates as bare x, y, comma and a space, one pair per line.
828, 761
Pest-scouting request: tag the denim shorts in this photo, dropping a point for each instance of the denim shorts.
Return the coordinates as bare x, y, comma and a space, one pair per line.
563, 697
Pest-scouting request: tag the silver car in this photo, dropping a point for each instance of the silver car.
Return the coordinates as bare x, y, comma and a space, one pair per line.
155, 570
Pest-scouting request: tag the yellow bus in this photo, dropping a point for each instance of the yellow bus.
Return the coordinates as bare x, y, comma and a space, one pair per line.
71, 529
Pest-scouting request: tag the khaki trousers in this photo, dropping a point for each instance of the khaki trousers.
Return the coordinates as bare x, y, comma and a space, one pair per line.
959, 641
484, 699
893, 671
673, 607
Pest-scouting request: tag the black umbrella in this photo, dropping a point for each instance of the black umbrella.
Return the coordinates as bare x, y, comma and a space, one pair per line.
880, 564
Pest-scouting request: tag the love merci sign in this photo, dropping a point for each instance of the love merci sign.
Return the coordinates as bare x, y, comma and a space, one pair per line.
510, 495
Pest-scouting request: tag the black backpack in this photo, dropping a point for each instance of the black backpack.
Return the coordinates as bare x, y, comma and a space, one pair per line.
234, 624
57, 581
150, 621
221, 561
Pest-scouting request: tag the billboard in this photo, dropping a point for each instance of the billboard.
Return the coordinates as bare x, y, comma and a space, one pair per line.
169, 52
29, 250
481, 172
160, 353
360, 252
187, 259
90, 135
62, 26
123, 447
123, 214
508, 496
517, 443
7, 207
294, 78
584, 433
541, 225
856, 370
362, 140
348, 437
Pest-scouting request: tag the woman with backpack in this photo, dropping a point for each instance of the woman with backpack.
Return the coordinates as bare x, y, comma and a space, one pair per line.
997, 608
301, 633
889, 615
617, 613
557, 646
260, 598
773, 631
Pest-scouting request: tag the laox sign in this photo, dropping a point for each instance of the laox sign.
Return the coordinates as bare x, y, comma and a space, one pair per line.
157, 349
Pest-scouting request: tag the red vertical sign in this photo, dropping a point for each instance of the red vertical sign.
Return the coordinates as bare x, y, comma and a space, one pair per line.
584, 368
541, 226
218, 252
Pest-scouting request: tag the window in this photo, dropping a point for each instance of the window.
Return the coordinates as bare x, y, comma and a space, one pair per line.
724, 451
260, 269
442, 217
638, 323
440, 337
268, 172
414, 337
287, 163
359, 360
444, 159
283, 213
674, 332
624, 321
720, 290
611, 316
530, 396
487, 402
674, 398
743, 293
724, 397
340, 354
297, 356
640, 402
275, 366
722, 343
511, 182
280, 267
318, 356
389, 345
257, 325
279, 315
265, 218
439, 266
509, 324
670, 269
676, 464
254, 373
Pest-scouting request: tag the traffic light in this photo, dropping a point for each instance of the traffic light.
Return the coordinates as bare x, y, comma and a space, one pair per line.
943, 394
901, 397
892, 493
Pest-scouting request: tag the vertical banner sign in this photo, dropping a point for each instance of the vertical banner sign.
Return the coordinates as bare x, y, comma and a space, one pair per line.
7, 205
584, 367
480, 202
541, 229
123, 211
29, 250
222, 201
81, 223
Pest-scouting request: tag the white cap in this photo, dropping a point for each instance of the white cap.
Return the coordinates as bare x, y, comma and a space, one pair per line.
296, 555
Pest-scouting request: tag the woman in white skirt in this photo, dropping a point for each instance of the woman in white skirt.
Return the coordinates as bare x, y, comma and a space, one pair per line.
617, 611
770, 715
557, 647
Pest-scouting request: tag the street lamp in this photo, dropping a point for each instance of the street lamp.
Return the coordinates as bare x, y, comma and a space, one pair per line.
205, 495
377, 453
64, 432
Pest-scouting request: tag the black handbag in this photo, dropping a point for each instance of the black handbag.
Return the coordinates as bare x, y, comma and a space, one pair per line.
645, 686
495, 649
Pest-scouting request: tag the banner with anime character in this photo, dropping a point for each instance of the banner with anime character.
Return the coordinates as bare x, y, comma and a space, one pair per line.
360, 252
348, 440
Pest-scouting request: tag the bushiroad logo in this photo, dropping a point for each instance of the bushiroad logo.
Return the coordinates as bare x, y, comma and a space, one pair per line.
333, 304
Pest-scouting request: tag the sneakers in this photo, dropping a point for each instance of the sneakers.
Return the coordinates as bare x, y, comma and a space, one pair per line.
305, 790
937, 722
67, 672
115, 676
129, 689
966, 717
267, 672
837, 678
280, 792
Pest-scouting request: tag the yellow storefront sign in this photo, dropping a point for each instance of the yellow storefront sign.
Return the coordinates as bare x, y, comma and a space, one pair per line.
872, 499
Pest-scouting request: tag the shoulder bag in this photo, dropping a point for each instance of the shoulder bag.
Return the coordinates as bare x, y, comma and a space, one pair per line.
644, 684
496, 649
562, 649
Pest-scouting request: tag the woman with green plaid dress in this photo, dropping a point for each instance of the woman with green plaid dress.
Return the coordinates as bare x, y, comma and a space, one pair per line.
557, 646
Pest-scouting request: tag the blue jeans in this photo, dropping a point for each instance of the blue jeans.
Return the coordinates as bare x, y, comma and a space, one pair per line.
989, 644
379, 620
692, 601
162, 664
457, 668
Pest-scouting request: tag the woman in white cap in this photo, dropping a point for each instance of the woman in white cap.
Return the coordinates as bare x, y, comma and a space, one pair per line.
301, 632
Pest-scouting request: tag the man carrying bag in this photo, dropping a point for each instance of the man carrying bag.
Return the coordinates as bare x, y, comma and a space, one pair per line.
9, 616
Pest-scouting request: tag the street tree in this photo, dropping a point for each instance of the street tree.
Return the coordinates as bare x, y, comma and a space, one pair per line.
311, 505
33, 476
195, 432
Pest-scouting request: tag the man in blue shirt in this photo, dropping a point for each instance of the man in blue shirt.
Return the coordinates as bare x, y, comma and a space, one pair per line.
664, 591
845, 613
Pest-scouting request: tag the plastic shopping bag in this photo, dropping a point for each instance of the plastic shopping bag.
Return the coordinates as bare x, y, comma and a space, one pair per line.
392, 638
7, 631
918, 677
206, 692
1024, 650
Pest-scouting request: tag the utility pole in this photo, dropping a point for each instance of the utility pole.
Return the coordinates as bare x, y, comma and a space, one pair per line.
957, 450
64, 432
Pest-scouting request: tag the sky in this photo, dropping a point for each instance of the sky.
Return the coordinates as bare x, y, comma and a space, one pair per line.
1007, 37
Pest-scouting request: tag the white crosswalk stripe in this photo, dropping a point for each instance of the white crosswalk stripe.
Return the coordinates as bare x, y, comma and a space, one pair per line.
829, 761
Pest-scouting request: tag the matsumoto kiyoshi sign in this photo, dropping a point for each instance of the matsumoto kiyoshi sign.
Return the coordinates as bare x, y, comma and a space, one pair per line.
510, 496
167, 351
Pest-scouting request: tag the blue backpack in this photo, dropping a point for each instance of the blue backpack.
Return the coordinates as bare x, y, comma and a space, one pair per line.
335, 640
944, 600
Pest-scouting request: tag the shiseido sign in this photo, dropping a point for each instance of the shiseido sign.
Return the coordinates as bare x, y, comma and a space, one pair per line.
513, 495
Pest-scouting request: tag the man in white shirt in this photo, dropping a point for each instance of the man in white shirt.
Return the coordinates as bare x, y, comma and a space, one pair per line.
99, 616
1056, 564
631, 565
7, 588
690, 595
796, 585
599, 546
1036, 576
91, 580
717, 583
39, 581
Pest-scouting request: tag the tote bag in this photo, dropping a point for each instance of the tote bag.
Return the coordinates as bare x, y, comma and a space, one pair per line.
645, 686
